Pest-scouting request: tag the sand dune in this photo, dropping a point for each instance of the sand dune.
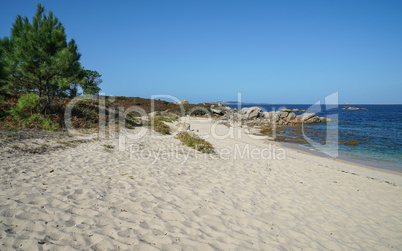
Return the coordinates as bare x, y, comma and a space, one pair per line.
159, 194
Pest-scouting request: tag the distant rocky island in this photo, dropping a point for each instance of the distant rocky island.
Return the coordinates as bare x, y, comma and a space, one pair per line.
352, 108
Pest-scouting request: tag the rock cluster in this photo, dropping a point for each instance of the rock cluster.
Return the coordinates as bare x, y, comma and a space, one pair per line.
352, 108
221, 110
282, 117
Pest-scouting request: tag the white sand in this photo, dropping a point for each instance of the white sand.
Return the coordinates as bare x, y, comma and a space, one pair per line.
94, 197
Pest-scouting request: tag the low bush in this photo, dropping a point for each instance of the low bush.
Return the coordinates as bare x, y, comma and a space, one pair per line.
25, 115
195, 142
159, 126
166, 119
133, 121
3, 112
37, 121
26, 106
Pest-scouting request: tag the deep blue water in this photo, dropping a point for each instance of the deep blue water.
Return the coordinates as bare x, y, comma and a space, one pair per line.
378, 130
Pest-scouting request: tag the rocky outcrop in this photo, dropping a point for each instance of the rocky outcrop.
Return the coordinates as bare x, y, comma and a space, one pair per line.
298, 110
251, 112
306, 116
217, 111
355, 108
220, 109
268, 115
282, 117
291, 115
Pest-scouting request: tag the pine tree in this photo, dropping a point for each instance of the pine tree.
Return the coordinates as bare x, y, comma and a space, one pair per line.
4, 84
38, 57
2, 74
91, 82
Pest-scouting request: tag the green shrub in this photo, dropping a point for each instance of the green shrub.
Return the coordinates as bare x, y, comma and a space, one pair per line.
25, 114
165, 119
49, 125
26, 106
161, 127
37, 121
132, 120
195, 142
136, 102
3, 111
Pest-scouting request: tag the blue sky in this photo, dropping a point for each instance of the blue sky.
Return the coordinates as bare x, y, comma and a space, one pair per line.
270, 51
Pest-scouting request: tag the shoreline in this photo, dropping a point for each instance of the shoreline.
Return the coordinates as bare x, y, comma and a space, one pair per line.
342, 158
375, 142
266, 140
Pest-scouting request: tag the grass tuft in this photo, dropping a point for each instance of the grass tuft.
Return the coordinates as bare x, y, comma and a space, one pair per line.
166, 119
159, 126
195, 142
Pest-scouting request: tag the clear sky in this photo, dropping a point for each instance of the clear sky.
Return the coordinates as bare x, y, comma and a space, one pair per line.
271, 51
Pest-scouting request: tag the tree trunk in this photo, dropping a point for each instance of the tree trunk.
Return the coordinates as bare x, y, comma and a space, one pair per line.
47, 96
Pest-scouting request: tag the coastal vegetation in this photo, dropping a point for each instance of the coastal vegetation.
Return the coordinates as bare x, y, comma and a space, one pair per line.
40, 73
37, 58
25, 114
159, 126
195, 142
108, 146
166, 119
38, 70
85, 114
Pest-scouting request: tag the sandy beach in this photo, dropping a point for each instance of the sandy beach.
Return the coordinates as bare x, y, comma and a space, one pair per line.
157, 194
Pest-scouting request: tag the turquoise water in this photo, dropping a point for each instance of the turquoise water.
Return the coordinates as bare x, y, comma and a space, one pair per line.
378, 130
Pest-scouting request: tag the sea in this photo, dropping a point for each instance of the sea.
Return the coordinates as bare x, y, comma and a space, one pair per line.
377, 130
